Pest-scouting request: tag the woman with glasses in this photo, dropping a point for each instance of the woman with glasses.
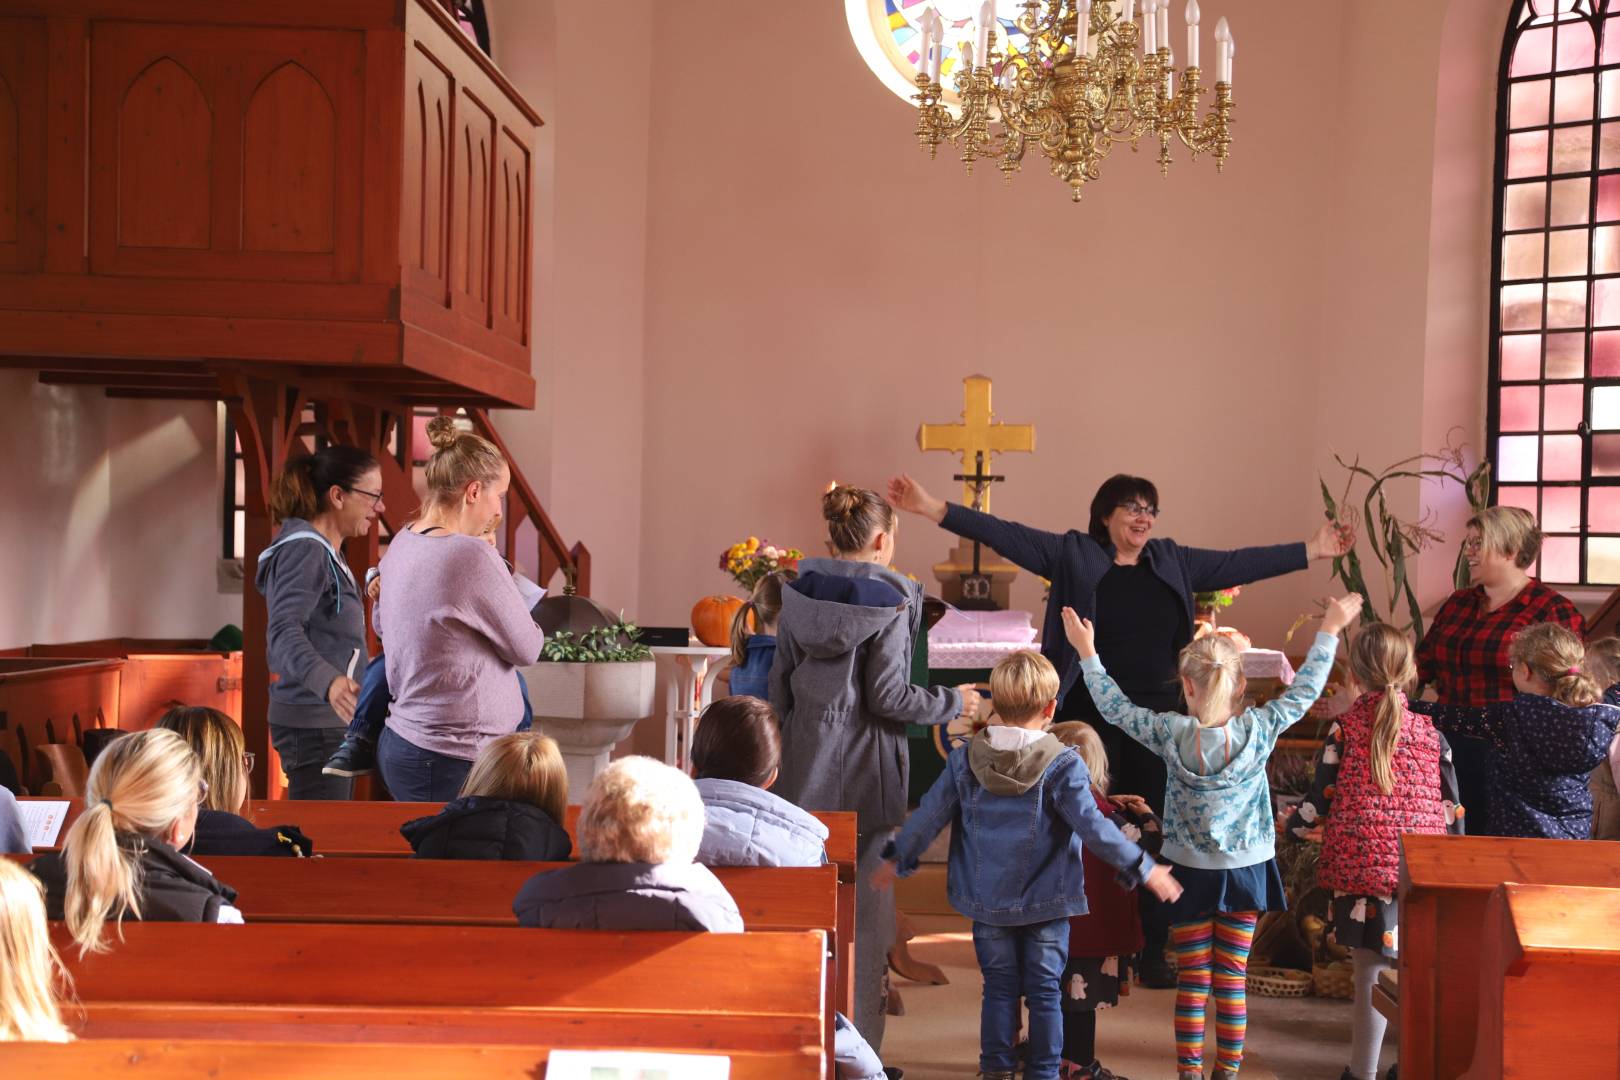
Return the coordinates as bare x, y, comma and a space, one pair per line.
1464, 653
316, 631
122, 855
1138, 591
226, 766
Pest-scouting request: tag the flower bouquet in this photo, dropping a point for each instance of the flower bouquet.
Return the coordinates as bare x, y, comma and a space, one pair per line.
747, 561
1214, 601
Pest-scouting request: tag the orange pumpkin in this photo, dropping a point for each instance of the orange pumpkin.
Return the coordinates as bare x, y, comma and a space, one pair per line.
712, 617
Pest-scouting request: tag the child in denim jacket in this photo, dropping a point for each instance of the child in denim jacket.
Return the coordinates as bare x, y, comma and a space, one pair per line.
1020, 806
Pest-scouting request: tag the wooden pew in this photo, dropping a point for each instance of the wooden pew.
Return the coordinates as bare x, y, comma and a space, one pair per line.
1445, 884
98, 1059
1549, 984
715, 993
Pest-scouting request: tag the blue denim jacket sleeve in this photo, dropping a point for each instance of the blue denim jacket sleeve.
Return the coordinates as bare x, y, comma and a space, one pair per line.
1282, 713
1072, 799
937, 809
1147, 727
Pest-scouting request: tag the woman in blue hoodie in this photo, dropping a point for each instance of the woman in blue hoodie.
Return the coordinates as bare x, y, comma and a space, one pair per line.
316, 628
841, 684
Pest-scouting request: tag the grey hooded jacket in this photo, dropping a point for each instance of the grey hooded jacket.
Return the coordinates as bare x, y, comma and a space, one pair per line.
841, 686
315, 622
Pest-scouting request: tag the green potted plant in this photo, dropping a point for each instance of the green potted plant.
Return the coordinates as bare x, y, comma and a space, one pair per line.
589, 689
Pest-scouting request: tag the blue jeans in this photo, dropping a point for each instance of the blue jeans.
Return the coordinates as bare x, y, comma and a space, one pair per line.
1027, 962
371, 710
416, 775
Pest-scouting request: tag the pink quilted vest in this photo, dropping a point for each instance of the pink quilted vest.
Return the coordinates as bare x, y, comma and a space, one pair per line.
1361, 850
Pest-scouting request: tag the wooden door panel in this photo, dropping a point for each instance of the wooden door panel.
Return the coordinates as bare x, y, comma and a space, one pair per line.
22, 144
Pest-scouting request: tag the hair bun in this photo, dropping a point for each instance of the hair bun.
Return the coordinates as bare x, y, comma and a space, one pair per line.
840, 501
442, 432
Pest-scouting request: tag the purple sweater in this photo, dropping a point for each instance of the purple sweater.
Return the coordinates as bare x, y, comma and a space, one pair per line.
454, 628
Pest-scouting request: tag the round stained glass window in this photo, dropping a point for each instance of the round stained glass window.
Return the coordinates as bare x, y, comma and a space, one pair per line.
887, 34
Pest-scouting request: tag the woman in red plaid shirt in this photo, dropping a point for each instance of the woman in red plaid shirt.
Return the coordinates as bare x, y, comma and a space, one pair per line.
1464, 654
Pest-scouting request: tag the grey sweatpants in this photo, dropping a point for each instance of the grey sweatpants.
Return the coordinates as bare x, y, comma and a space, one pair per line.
874, 933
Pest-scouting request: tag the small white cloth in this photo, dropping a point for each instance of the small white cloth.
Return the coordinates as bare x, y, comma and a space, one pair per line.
1003, 737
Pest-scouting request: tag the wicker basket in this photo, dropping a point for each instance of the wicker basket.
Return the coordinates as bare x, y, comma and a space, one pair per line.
1335, 980
1278, 982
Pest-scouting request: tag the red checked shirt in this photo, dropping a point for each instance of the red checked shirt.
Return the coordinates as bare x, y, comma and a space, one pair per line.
1464, 654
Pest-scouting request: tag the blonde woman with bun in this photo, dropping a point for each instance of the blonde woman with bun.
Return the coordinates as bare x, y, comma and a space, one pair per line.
29, 969
841, 684
122, 855
453, 622
511, 807
1543, 743
316, 622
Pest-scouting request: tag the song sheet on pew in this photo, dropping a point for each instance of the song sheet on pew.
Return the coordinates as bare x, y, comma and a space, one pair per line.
628, 1065
42, 820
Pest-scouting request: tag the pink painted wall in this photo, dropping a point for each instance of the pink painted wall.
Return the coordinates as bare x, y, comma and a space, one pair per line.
816, 287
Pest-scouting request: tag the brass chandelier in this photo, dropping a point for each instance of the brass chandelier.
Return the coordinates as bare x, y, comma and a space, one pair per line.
1091, 76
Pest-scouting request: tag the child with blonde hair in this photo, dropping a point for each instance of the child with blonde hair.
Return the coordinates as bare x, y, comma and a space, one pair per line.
511, 807
1218, 831
1102, 941
1544, 742
1603, 664
1383, 771
29, 969
1021, 811
122, 855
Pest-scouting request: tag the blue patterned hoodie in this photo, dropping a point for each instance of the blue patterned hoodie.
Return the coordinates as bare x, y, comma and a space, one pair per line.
1217, 806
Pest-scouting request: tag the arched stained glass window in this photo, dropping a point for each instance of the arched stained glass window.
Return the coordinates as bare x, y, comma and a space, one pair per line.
1554, 411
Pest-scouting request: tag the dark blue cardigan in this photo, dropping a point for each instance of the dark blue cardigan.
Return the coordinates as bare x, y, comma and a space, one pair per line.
1075, 563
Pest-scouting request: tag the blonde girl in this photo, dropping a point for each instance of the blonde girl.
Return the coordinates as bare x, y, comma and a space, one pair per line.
122, 855
1544, 742
511, 806
753, 638
1218, 831
1383, 771
29, 969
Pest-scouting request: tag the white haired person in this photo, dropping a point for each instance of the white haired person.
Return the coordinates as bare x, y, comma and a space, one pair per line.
123, 854
28, 965
638, 834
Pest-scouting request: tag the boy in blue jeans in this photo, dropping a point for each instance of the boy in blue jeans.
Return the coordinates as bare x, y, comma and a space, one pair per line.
1019, 806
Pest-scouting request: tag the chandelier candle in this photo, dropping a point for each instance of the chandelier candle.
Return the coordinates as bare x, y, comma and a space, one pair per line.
1089, 79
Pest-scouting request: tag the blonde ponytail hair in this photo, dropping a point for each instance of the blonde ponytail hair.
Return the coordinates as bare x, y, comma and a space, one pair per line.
765, 607
141, 784
29, 967
1088, 744
1556, 656
1215, 666
459, 458
1381, 661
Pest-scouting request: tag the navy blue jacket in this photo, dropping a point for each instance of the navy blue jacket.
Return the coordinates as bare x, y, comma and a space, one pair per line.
1074, 562
752, 678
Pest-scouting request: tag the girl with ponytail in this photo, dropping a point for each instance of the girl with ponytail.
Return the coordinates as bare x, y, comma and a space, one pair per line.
122, 856
753, 638
1218, 831
1543, 743
1382, 771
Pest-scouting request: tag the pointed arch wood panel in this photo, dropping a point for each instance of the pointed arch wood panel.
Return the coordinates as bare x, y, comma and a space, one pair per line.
470, 215
165, 156
425, 220
22, 144
289, 164
509, 285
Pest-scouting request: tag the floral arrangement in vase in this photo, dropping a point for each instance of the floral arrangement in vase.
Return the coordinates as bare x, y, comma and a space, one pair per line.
1212, 602
749, 560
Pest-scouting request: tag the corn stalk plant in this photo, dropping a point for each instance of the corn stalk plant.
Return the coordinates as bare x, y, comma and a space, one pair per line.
1392, 539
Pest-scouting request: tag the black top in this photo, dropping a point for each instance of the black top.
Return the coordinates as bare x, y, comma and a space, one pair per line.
1138, 631
220, 832
173, 888
476, 827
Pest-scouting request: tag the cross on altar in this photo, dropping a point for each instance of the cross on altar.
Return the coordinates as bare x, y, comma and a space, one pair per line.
976, 437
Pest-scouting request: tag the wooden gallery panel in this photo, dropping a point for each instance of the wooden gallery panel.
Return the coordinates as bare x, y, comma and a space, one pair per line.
469, 259
510, 265
423, 221
225, 152
22, 144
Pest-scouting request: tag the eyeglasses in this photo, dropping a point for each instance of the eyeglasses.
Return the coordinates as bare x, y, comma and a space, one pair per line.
374, 496
1136, 509
202, 791
248, 758
1473, 545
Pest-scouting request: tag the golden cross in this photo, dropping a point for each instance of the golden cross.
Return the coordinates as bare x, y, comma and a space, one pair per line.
978, 433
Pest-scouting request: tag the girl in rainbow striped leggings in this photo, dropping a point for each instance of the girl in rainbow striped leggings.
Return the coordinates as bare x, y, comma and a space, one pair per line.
1218, 828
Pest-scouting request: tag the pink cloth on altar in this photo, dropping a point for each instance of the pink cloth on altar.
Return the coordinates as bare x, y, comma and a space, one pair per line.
961, 627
